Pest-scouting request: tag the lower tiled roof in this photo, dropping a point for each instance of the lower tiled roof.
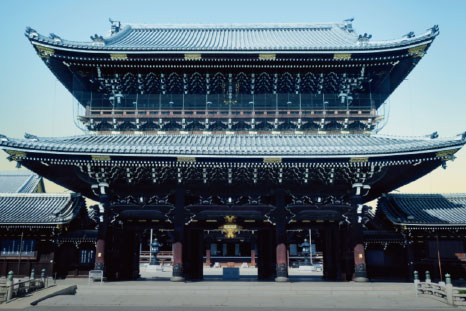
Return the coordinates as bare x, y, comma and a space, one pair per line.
18, 181
38, 208
233, 145
425, 209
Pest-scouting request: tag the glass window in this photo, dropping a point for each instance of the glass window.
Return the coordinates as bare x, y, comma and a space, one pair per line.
12, 247
86, 256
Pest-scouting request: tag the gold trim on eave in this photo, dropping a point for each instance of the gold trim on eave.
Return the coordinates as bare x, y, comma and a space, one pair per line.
358, 160
118, 56
445, 153
342, 56
268, 56
192, 56
186, 159
44, 51
272, 160
418, 51
16, 154
101, 158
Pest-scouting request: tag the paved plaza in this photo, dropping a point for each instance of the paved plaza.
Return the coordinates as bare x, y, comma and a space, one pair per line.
303, 292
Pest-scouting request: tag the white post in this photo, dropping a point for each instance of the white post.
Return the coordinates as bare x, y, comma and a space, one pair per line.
150, 246
310, 246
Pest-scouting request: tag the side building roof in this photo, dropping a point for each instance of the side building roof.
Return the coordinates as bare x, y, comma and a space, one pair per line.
233, 38
20, 182
425, 210
38, 209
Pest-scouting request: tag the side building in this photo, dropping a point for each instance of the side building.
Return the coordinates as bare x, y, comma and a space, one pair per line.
39, 230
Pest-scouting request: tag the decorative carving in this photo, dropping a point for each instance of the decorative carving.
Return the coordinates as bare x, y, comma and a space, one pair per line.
230, 228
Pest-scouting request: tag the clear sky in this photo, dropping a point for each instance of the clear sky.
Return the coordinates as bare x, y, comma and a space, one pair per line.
433, 98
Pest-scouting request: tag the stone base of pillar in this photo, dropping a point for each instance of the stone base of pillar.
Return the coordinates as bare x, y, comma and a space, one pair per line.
282, 273
360, 274
177, 275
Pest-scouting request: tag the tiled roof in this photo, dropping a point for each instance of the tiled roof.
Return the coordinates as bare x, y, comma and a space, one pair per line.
425, 209
38, 208
235, 37
234, 145
18, 181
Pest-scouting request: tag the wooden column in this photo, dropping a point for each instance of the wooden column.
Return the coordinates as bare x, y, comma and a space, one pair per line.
266, 251
338, 251
410, 259
102, 233
360, 274
207, 256
329, 267
178, 236
280, 232
253, 256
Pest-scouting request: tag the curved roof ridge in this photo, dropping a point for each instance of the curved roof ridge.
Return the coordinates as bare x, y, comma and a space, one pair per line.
418, 137
378, 135
268, 25
427, 194
16, 173
38, 195
26, 182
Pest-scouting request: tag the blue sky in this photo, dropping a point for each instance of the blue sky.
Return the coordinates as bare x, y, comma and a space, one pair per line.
433, 98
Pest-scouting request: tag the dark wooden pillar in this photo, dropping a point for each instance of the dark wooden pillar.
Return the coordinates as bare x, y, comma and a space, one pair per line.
329, 255
102, 233
338, 254
360, 273
266, 254
178, 237
193, 253
410, 258
280, 232
348, 255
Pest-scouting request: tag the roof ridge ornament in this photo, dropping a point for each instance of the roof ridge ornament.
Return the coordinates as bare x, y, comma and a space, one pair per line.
116, 26
409, 35
348, 24
31, 137
97, 40
434, 30
31, 33
55, 38
364, 39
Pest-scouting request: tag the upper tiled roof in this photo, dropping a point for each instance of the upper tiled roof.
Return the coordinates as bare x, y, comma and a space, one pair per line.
234, 145
38, 208
18, 182
235, 37
425, 209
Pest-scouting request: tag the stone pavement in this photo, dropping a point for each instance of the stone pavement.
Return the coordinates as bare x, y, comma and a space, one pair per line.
155, 292
243, 295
